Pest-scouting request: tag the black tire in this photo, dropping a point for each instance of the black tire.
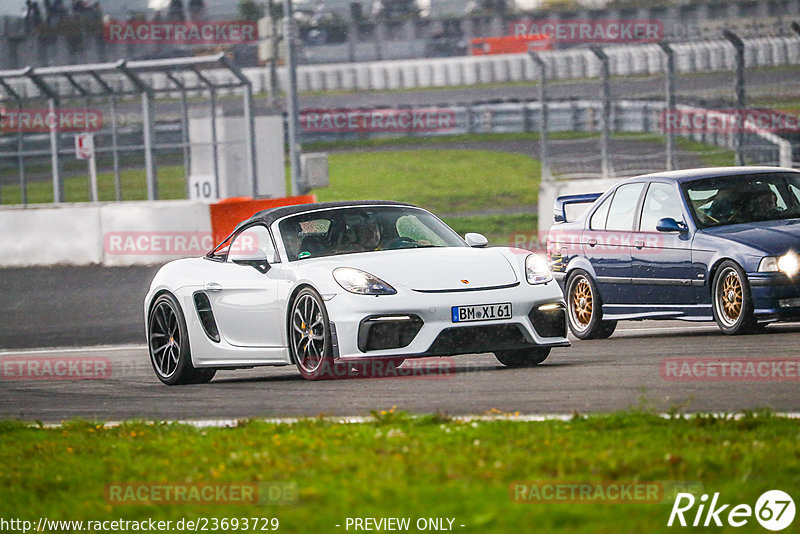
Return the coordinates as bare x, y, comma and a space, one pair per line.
168, 344
309, 335
731, 300
585, 308
522, 357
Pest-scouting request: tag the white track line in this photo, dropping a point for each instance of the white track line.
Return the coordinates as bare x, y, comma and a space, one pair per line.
358, 419
102, 348
653, 329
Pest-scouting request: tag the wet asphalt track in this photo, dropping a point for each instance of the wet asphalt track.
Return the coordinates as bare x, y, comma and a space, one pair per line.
103, 306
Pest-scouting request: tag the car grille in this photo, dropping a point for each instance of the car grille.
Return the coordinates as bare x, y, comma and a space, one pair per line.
476, 339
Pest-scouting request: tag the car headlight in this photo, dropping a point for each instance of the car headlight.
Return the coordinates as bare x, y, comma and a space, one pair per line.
536, 270
361, 283
788, 264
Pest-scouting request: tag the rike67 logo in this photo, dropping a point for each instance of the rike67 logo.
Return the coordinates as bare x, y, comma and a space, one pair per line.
774, 510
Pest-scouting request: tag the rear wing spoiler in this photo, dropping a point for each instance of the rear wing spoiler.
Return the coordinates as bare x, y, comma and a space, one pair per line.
560, 207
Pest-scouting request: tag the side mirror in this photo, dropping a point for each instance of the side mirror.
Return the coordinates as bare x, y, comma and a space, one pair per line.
254, 258
668, 224
476, 240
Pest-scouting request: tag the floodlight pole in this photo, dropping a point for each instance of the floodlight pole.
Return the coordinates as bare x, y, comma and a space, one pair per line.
249, 124
148, 131
741, 101
52, 105
606, 115
292, 119
544, 156
187, 153
23, 182
23, 185
670, 101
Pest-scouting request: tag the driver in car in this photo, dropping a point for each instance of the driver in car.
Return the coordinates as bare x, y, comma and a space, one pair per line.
367, 237
764, 206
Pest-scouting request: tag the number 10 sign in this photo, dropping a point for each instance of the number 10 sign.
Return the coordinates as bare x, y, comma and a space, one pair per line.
201, 187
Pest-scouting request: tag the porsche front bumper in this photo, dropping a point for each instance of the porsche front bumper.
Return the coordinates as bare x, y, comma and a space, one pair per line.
417, 324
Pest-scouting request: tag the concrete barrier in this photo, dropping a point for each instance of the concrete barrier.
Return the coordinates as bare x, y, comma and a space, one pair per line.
424, 73
154, 232
455, 72
50, 235
121, 233
561, 65
348, 79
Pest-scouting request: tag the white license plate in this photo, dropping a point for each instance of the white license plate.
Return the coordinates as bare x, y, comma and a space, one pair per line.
484, 312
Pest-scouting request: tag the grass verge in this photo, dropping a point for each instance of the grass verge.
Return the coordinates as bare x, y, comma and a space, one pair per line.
503, 230
428, 466
711, 156
445, 181
171, 186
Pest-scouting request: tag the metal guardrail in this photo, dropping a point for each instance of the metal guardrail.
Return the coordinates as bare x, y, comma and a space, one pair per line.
112, 81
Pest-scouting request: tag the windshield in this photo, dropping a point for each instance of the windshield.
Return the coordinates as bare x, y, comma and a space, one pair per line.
366, 229
744, 199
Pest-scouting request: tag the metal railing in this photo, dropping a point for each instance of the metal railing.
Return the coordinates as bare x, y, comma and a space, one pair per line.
112, 85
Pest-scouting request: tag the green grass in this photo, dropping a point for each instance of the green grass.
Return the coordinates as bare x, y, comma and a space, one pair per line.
400, 466
443, 139
506, 230
711, 156
445, 181
171, 185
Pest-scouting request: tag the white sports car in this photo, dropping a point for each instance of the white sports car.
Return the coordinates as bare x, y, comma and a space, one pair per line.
326, 286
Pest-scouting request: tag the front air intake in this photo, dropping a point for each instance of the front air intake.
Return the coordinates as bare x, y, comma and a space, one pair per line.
387, 332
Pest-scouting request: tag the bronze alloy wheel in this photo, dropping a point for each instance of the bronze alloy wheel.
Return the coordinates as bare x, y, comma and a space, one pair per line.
729, 296
585, 308
581, 302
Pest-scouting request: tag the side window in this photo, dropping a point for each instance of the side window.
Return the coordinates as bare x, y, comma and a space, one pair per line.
795, 191
598, 220
661, 201
622, 212
780, 201
250, 241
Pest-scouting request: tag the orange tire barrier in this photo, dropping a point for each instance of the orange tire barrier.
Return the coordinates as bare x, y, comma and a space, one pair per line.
486, 46
227, 213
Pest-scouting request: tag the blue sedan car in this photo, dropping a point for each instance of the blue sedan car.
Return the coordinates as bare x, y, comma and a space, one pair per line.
697, 245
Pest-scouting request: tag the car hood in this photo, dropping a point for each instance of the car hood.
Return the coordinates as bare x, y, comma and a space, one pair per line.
771, 237
436, 269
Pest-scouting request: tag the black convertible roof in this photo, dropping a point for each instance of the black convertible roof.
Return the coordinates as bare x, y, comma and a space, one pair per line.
273, 214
